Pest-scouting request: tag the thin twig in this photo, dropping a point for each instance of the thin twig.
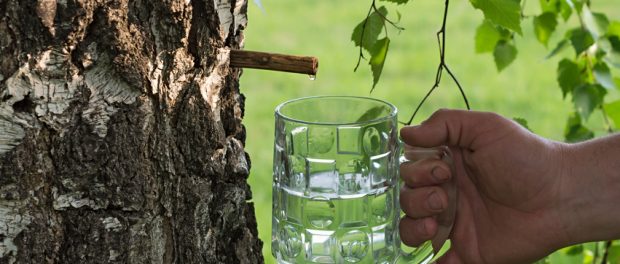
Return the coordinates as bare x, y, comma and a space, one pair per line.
374, 6
441, 42
606, 252
421, 103
459, 86
361, 56
384, 27
610, 129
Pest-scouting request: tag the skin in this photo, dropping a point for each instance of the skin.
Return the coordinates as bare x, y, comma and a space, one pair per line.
520, 196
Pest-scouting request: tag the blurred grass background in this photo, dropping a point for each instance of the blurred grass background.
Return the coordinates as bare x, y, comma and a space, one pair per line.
322, 28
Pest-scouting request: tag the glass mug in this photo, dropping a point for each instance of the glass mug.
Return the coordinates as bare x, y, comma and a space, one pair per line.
336, 183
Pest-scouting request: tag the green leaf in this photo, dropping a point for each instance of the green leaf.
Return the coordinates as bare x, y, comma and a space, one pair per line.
487, 37
574, 250
588, 97
614, 42
557, 7
549, 5
396, 1
613, 112
565, 10
614, 29
574, 132
612, 47
542, 261
544, 25
613, 254
595, 23
522, 122
608, 44
379, 53
588, 256
372, 29
575, 4
504, 54
614, 60
602, 74
580, 39
562, 256
602, 22
569, 76
506, 13
558, 48
442, 251
504, 33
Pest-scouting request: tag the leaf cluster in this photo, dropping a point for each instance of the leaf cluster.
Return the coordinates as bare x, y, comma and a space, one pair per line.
586, 77
367, 36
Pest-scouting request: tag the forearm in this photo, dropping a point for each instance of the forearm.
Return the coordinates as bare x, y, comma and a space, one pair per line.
591, 190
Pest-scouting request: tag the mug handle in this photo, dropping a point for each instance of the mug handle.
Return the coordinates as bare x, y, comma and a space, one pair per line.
445, 220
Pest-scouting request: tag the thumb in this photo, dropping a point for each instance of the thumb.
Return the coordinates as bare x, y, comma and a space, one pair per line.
455, 128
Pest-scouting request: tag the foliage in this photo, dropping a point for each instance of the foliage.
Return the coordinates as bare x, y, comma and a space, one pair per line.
365, 34
584, 75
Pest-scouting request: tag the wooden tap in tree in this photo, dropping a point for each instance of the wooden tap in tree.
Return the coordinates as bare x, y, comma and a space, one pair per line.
275, 62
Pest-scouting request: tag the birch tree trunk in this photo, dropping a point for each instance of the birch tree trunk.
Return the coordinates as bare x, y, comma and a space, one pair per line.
120, 133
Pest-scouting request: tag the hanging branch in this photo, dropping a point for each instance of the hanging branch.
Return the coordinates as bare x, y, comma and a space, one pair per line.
441, 40
606, 252
361, 55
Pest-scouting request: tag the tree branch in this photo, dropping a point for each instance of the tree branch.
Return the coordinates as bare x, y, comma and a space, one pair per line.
441, 41
359, 59
374, 6
606, 252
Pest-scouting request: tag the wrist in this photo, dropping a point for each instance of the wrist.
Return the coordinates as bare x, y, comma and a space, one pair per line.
559, 227
589, 192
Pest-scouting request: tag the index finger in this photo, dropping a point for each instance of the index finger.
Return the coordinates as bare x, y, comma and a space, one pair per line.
455, 128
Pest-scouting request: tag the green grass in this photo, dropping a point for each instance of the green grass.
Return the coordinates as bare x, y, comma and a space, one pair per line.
526, 89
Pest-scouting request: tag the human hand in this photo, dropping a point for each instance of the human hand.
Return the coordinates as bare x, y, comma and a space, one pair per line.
508, 188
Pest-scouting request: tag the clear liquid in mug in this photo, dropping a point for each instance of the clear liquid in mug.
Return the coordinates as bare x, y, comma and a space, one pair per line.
324, 228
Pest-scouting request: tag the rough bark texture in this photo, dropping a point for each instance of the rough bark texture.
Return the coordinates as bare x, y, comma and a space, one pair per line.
120, 133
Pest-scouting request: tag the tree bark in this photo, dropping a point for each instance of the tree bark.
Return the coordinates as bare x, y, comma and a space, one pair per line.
120, 133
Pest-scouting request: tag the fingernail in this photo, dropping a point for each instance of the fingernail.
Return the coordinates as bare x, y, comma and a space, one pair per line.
434, 202
440, 174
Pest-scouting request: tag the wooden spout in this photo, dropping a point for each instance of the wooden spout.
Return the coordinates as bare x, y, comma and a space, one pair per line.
274, 62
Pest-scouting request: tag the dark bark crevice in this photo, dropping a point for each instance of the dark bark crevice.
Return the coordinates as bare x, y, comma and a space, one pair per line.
33, 36
195, 32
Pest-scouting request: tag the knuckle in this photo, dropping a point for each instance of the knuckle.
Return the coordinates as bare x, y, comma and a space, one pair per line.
493, 117
440, 113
